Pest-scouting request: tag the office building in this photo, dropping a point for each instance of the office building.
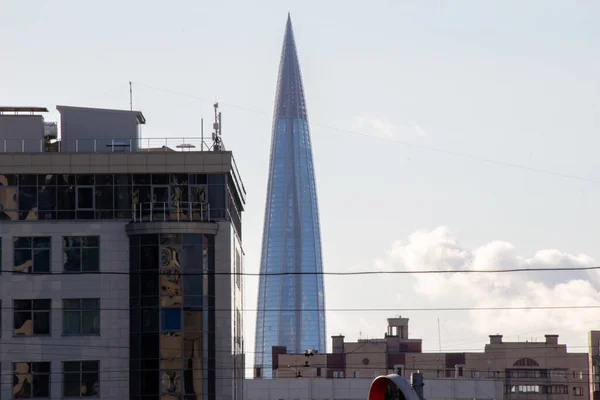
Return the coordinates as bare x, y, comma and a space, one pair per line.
291, 307
507, 370
121, 260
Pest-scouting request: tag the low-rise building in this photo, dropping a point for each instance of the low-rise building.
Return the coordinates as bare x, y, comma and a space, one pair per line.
508, 370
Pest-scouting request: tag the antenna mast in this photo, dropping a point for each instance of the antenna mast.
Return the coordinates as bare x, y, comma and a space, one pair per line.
130, 97
439, 336
216, 136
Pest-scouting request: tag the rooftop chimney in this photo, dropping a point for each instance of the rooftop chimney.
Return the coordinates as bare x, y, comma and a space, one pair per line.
552, 339
495, 339
337, 344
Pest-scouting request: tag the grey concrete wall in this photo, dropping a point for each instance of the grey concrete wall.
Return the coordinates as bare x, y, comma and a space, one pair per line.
20, 133
93, 129
111, 348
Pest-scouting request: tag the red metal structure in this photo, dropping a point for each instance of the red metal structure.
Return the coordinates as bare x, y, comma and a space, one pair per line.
391, 387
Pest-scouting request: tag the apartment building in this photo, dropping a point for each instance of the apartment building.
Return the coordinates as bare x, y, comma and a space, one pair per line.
508, 370
121, 260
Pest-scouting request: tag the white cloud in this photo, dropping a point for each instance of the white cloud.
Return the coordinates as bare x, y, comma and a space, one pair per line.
385, 129
374, 126
439, 250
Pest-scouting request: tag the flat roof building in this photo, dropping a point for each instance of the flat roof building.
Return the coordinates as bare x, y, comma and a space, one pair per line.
522, 369
121, 266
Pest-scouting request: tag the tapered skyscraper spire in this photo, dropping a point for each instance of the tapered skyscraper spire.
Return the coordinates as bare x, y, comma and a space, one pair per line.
291, 305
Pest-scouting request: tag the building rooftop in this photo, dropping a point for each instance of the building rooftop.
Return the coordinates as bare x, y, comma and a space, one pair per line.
17, 110
97, 130
140, 117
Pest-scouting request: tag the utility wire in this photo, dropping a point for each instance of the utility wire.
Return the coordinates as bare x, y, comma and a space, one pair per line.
386, 139
334, 273
391, 309
18, 342
358, 366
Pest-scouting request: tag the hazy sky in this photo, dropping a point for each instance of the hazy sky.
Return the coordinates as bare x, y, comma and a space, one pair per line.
511, 81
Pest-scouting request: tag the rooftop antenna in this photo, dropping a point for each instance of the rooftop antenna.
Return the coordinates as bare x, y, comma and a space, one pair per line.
130, 97
201, 133
439, 336
216, 136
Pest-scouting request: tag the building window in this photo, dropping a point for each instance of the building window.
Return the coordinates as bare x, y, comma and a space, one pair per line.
31, 254
356, 374
318, 372
85, 197
81, 253
170, 319
81, 316
557, 374
398, 369
577, 391
31, 380
258, 372
31, 317
475, 374
555, 389
238, 269
529, 389
526, 362
81, 379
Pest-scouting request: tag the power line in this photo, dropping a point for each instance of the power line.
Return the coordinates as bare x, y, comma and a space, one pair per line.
332, 273
401, 142
21, 347
357, 366
366, 309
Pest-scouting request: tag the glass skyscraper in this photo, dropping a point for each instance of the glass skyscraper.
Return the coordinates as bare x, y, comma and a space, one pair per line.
291, 300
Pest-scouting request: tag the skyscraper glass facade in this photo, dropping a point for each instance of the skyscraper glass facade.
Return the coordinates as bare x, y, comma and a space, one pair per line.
291, 300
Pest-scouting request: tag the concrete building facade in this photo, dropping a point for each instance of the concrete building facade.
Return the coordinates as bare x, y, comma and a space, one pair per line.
521, 369
121, 265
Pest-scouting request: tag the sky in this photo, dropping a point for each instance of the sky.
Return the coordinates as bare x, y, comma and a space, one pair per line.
446, 135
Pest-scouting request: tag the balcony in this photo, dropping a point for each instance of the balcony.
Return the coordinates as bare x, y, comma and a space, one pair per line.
177, 211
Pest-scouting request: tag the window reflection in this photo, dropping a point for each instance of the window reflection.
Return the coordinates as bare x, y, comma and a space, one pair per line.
171, 384
108, 196
170, 277
193, 343
168, 335
31, 380
8, 203
171, 346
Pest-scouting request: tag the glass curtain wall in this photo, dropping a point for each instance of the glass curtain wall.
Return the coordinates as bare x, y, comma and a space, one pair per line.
291, 306
172, 316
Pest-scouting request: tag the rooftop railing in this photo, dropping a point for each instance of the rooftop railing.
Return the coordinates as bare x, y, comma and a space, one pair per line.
108, 145
104, 145
175, 211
